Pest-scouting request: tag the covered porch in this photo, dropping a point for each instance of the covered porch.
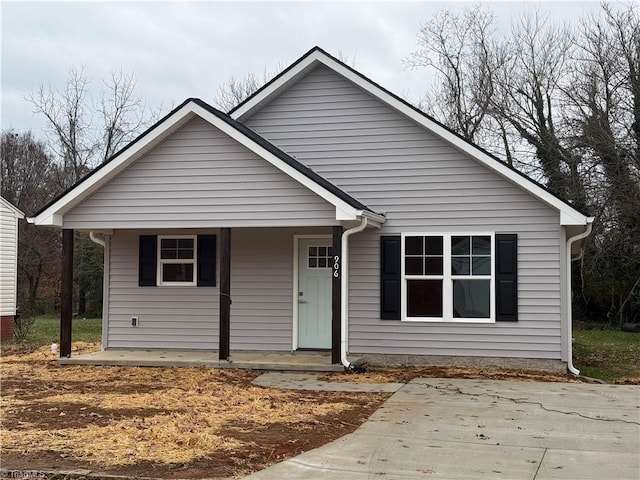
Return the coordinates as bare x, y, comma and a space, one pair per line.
200, 220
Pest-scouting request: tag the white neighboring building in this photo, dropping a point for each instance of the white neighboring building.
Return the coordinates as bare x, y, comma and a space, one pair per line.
9, 216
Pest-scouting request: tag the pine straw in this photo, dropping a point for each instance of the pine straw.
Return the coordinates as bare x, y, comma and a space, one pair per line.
184, 412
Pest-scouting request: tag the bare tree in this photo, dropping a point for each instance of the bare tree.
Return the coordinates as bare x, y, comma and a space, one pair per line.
463, 52
235, 90
604, 101
69, 122
85, 132
122, 112
561, 103
26, 170
28, 180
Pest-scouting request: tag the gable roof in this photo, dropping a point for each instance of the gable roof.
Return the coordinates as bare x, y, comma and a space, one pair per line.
11, 208
569, 215
347, 207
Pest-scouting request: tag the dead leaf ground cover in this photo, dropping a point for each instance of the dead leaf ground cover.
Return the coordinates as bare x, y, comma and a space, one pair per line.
160, 422
404, 374
197, 422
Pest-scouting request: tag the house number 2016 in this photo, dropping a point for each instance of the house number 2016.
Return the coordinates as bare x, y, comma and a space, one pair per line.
336, 266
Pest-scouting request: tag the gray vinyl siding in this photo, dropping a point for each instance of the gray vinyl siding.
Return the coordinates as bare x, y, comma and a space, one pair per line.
200, 178
425, 185
188, 317
170, 317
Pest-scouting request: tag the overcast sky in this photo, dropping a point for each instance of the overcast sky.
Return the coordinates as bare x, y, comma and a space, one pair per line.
186, 49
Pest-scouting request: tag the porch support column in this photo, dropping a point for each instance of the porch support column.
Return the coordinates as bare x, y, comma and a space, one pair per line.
66, 303
225, 293
336, 293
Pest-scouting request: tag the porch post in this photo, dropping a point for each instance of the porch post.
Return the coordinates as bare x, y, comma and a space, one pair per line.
336, 293
225, 293
66, 304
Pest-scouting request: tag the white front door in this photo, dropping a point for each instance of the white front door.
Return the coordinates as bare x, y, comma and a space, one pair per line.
314, 293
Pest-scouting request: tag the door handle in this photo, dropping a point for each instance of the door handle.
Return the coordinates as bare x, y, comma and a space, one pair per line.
302, 301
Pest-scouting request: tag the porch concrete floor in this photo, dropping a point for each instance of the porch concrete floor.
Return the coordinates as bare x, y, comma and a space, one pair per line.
285, 361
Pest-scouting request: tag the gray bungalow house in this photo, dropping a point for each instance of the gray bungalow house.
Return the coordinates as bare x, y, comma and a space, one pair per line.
324, 213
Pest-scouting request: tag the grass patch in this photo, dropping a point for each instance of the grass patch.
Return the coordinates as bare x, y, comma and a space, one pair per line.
46, 330
610, 355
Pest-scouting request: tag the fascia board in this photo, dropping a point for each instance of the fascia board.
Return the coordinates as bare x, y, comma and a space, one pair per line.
567, 213
53, 215
344, 211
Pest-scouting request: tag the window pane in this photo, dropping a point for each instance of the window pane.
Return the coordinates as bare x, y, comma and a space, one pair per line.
482, 266
460, 246
313, 251
413, 266
177, 272
169, 243
460, 266
471, 298
481, 245
322, 262
185, 254
185, 243
322, 251
424, 298
413, 246
433, 265
433, 245
168, 254
313, 263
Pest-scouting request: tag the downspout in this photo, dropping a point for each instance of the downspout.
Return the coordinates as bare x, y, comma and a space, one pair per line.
344, 290
570, 241
94, 239
105, 288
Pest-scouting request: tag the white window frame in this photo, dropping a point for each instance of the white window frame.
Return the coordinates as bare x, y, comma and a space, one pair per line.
162, 261
448, 278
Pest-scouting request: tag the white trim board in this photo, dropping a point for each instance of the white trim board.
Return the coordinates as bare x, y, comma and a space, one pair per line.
568, 214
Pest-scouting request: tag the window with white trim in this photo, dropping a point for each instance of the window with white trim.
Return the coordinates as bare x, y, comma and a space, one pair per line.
177, 260
448, 277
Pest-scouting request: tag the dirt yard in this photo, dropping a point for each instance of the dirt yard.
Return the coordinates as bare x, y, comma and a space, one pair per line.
178, 422
159, 422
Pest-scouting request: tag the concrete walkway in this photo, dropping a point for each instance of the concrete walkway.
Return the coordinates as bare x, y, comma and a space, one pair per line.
484, 429
309, 381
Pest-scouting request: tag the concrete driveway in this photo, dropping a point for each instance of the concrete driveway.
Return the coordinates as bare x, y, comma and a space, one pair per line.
484, 429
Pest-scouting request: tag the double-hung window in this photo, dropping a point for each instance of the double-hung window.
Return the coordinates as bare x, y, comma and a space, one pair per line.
448, 277
177, 260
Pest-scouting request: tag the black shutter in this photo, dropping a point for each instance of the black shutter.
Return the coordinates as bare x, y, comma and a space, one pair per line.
206, 260
390, 258
506, 277
147, 260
